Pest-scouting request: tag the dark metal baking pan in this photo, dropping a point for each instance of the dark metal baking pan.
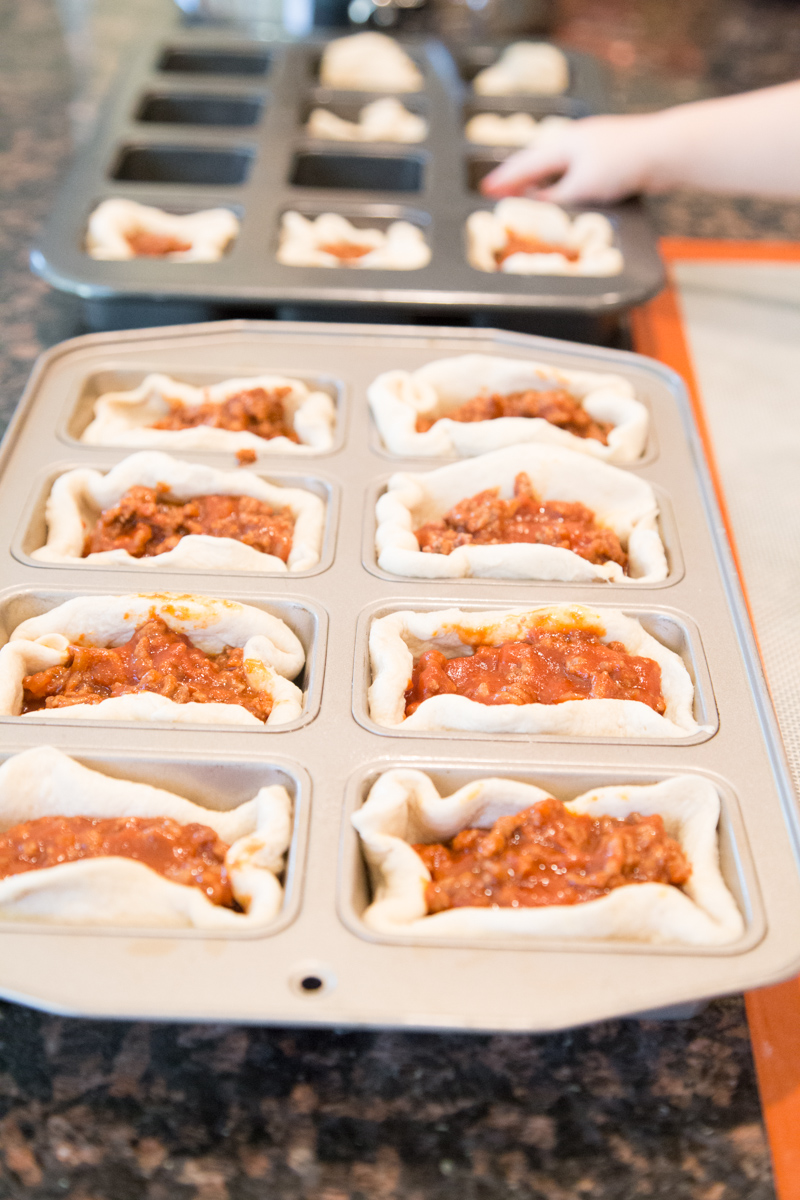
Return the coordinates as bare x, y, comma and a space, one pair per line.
271, 166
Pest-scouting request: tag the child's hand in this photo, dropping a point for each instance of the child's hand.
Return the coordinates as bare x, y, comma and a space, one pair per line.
597, 159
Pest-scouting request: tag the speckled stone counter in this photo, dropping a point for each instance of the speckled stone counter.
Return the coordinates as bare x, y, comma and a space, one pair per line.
117, 1111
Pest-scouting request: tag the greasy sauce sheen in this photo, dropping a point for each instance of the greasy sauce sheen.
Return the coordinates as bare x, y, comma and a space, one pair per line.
155, 245
253, 411
189, 854
556, 406
517, 244
346, 250
148, 521
155, 659
547, 667
487, 520
549, 855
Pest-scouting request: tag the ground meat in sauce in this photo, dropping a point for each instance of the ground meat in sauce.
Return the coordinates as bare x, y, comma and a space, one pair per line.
189, 854
245, 457
253, 411
155, 659
147, 522
516, 243
346, 250
549, 855
547, 667
487, 520
556, 406
155, 245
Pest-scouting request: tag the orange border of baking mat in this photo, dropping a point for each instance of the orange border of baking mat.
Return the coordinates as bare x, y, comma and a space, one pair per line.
773, 1013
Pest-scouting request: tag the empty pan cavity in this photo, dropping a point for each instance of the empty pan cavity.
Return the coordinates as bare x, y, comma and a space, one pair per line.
192, 61
171, 108
358, 172
478, 166
182, 164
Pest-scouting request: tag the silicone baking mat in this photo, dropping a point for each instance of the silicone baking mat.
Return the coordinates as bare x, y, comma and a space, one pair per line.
728, 324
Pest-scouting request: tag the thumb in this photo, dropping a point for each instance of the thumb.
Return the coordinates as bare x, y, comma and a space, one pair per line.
525, 170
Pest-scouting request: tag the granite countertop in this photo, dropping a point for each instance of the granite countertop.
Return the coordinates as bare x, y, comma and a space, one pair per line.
95, 1110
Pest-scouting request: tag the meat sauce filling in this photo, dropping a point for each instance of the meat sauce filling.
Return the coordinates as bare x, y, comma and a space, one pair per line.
549, 855
516, 243
155, 245
487, 520
254, 410
154, 659
556, 406
148, 521
346, 251
547, 667
189, 854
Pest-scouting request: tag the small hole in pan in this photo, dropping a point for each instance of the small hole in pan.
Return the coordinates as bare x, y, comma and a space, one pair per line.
312, 979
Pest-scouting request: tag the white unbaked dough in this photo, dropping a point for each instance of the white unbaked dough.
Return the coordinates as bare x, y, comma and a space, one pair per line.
43, 782
401, 247
397, 398
78, 497
397, 640
209, 232
384, 120
273, 655
532, 68
619, 500
126, 418
404, 807
517, 129
369, 62
590, 234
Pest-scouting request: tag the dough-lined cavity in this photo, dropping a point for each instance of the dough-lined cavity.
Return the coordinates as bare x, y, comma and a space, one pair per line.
532, 68
273, 656
384, 120
619, 500
78, 497
43, 782
404, 807
124, 229
397, 641
129, 419
401, 399
329, 240
534, 237
369, 62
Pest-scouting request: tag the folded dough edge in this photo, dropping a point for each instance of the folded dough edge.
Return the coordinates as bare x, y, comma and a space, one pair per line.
404, 806
125, 418
116, 891
397, 640
273, 655
398, 397
619, 500
78, 497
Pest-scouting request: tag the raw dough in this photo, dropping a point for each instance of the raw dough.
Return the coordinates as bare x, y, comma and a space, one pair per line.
405, 807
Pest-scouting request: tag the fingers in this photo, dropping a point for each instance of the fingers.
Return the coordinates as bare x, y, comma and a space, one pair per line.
569, 190
525, 169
